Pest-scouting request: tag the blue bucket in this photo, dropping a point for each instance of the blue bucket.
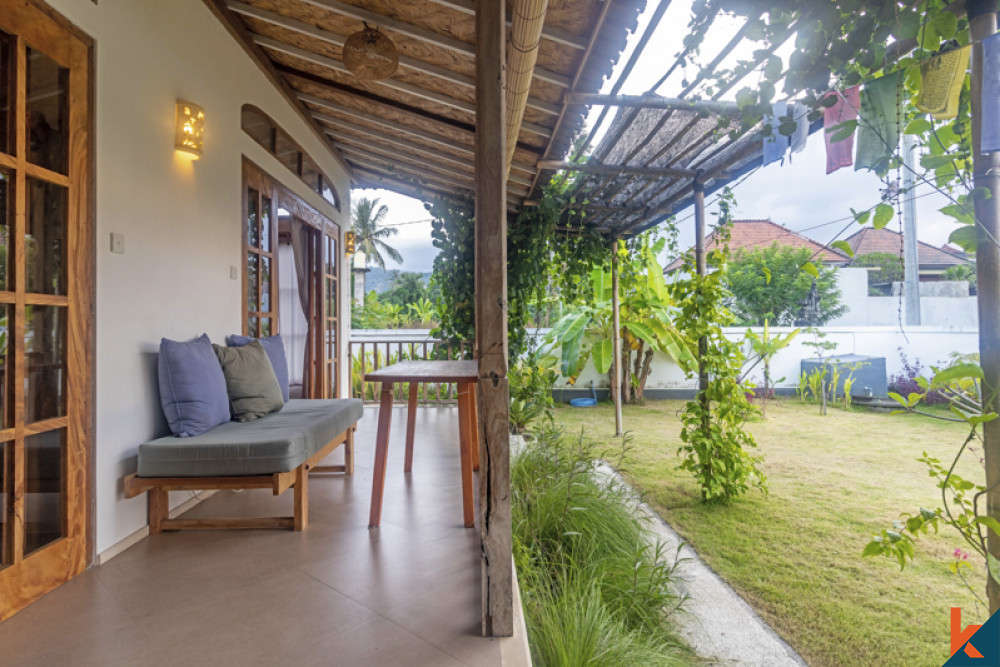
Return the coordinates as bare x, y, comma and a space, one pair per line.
586, 402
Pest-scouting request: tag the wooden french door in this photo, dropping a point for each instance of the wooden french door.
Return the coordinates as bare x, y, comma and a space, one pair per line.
46, 285
263, 198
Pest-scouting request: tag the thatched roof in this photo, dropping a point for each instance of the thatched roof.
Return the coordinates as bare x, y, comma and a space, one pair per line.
671, 139
414, 132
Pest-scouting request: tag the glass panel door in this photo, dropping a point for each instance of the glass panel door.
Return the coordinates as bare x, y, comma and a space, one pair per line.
46, 292
259, 277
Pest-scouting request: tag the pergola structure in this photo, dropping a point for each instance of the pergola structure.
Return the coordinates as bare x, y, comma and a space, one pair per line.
474, 109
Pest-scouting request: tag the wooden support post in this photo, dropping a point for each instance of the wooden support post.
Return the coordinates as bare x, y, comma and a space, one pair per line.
983, 23
349, 451
616, 342
701, 270
491, 319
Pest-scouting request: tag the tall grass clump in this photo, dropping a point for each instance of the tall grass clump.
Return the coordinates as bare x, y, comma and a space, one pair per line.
595, 587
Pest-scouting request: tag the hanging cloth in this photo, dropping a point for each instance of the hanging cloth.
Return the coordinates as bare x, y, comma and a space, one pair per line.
878, 137
990, 137
941, 83
800, 114
840, 154
776, 144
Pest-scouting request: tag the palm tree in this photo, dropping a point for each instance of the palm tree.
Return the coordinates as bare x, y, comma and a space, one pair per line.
369, 234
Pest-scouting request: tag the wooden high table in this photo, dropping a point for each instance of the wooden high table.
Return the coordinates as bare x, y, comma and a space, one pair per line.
463, 373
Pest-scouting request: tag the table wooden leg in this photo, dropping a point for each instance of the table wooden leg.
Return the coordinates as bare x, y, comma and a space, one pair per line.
411, 426
474, 426
465, 447
381, 450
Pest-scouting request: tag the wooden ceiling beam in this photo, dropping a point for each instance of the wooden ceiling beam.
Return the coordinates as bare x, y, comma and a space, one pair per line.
375, 162
414, 189
553, 34
412, 152
337, 40
393, 125
401, 86
389, 24
618, 169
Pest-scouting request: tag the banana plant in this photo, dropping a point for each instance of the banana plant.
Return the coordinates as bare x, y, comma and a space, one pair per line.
763, 347
646, 316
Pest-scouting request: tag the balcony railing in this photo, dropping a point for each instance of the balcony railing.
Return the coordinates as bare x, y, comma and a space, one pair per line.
372, 349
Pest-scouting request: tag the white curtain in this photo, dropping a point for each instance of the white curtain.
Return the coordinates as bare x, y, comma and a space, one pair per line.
294, 326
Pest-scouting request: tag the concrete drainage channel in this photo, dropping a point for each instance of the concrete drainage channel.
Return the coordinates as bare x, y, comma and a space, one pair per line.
714, 621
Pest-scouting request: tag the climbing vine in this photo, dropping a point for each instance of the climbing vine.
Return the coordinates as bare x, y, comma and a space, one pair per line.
716, 447
550, 253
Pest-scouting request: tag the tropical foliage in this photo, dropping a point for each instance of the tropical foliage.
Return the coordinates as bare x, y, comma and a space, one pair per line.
887, 269
716, 447
647, 317
763, 347
770, 284
370, 232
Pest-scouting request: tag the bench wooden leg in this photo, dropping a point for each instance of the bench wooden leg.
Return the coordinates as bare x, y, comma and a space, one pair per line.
301, 499
159, 509
349, 453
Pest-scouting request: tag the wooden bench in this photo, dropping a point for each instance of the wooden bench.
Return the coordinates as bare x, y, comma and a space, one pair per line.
305, 460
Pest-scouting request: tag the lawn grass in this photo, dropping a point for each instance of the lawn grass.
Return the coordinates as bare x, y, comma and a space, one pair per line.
795, 554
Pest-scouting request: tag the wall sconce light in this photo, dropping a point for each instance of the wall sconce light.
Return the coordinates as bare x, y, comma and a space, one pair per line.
189, 136
349, 243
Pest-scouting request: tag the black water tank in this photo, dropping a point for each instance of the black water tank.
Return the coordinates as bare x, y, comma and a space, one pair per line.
869, 373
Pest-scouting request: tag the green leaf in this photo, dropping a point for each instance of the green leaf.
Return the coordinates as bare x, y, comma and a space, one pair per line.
958, 372
571, 340
994, 567
602, 354
883, 214
862, 217
842, 131
959, 212
989, 522
918, 126
844, 247
946, 25
811, 269
965, 237
767, 275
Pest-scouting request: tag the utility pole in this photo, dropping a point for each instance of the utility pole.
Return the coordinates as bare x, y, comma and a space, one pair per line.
911, 260
983, 23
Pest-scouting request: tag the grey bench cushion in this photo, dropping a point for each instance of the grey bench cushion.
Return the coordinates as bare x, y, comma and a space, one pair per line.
278, 442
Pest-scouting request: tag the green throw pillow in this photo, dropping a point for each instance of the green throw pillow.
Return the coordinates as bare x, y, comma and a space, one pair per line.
250, 381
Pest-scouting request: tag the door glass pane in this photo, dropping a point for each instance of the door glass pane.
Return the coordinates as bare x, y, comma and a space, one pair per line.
252, 326
43, 460
48, 140
45, 236
310, 173
252, 301
258, 127
265, 284
287, 152
6, 367
6, 93
6, 452
253, 236
6, 219
265, 327
265, 225
45, 365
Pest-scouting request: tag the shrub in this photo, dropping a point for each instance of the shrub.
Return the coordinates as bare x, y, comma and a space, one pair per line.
595, 589
906, 383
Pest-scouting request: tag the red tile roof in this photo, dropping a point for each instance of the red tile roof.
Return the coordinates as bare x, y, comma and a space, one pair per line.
751, 234
870, 240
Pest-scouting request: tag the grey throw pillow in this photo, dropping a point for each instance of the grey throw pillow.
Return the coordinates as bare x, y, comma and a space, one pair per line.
250, 381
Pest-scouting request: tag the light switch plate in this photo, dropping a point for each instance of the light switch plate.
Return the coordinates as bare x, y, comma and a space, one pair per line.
118, 243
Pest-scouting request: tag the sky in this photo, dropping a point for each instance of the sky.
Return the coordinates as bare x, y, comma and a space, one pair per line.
797, 194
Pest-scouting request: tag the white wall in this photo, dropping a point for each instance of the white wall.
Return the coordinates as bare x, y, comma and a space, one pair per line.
181, 219
950, 312
930, 345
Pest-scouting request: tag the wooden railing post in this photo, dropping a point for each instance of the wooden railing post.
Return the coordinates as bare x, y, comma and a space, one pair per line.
491, 320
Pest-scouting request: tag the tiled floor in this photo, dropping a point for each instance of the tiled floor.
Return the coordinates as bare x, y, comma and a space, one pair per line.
407, 593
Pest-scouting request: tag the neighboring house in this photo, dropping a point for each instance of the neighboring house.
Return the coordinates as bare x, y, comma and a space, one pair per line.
752, 234
933, 261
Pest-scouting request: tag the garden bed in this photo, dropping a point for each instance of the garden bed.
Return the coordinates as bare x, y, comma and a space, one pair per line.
795, 554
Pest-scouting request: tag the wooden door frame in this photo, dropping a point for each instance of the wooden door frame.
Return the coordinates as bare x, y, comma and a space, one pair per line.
38, 24
282, 197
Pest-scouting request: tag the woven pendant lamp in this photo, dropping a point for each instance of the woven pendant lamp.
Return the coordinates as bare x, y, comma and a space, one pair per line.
370, 55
